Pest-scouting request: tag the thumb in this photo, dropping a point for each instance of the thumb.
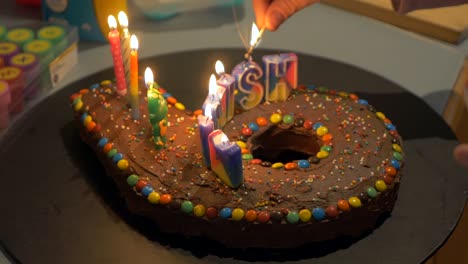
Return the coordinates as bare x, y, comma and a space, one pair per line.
461, 155
280, 10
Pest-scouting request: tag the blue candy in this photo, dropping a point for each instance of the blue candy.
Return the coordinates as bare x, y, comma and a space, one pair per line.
167, 95
225, 213
318, 214
83, 116
317, 125
363, 102
103, 141
253, 126
396, 164
146, 190
117, 157
303, 164
390, 126
94, 86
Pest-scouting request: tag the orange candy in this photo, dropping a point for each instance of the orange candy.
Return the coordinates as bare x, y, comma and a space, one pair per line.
84, 91
353, 97
244, 151
290, 166
343, 205
390, 171
165, 199
74, 96
171, 100
387, 121
197, 112
107, 147
327, 137
262, 121
90, 126
250, 215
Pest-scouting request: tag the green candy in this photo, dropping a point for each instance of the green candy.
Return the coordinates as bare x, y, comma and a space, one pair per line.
288, 119
132, 179
322, 89
372, 192
111, 153
326, 148
292, 217
247, 156
397, 156
187, 207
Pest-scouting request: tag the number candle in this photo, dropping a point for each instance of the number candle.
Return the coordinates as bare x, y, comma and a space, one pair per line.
280, 76
134, 98
226, 159
157, 108
205, 127
114, 40
125, 45
227, 81
5, 100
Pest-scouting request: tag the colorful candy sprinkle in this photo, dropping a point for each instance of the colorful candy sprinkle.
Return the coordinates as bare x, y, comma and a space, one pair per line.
380, 185
292, 217
251, 215
275, 118
199, 210
319, 214
372, 192
186, 207
132, 180
355, 202
153, 197
225, 213
261, 121
237, 214
277, 165
165, 198
322, 131
305, 215
122, 164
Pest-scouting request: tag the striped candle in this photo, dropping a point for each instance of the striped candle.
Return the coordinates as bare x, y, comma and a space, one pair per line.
125, 44
114, 40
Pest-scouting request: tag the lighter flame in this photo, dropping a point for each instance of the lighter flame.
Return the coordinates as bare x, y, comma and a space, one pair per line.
112, 22
208, 111
219, 67
224, 139
133, 42
123, 20
149, 78
212, 85
254, 36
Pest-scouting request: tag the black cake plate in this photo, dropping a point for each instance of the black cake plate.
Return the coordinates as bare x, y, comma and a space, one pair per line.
57, 206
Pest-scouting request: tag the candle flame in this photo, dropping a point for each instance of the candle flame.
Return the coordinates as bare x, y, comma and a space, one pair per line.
133, 42
123, 20
212, 85
112, 22
208, 111
254, 36
149, 78
219, 67
224, 139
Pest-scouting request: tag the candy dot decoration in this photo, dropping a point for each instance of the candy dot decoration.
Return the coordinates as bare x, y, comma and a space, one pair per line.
292, 217
199, 210
305, 215
319, 214
154, 197
187, 207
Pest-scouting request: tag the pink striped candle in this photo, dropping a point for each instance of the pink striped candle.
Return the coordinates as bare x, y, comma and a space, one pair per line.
5, 100
205, 127
114, 40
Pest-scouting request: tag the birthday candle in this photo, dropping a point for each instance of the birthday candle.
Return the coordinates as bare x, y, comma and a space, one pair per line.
227, 81
8, 50
29, 64
56, 34
248, 86
125, 44
3, 31
14, 77
114, 40
20, 35
226, 159
280, 76
134, 98
157, 108
5, 100
205, 127
217, 102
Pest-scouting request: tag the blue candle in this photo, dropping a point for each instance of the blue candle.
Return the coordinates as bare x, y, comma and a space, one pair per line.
227, 81
248, 75
205, 127
226, 159
280, 76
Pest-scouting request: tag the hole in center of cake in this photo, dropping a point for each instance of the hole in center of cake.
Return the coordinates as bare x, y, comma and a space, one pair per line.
277, 144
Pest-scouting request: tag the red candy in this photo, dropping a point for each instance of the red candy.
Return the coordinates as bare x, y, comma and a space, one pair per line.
388, 179
97, 128
332, 211
140, 185
256, 161
246, 131
308, 124
211, 212
263, 217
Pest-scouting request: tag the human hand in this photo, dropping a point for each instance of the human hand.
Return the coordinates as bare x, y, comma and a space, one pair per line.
272, 13
461, 154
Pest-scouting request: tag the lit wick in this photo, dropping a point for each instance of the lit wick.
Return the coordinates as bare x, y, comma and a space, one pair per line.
255, 38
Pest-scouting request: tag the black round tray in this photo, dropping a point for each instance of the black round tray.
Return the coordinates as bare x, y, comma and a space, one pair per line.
57, 206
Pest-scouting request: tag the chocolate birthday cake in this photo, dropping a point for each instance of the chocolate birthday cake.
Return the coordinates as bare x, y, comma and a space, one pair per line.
317, 166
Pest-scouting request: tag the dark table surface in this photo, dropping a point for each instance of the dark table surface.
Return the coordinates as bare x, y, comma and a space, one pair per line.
57, 207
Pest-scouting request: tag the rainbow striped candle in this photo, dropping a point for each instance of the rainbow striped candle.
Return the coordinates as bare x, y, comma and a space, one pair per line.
205, 127
248, 76
217, 99
226, 159
227, 81
280, 76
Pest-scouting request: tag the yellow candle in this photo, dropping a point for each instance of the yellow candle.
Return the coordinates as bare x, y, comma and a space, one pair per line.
134, 98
